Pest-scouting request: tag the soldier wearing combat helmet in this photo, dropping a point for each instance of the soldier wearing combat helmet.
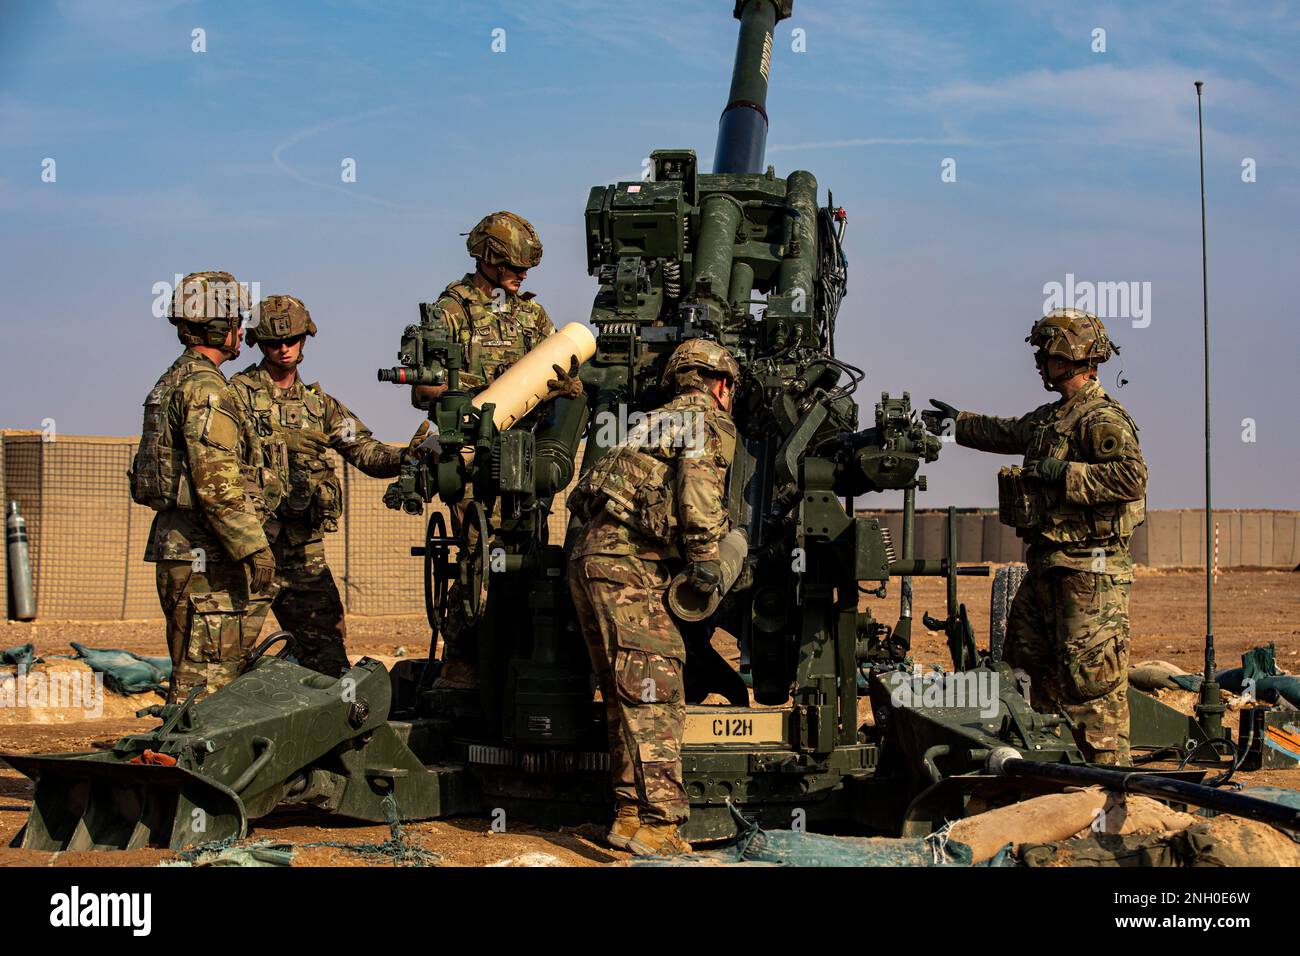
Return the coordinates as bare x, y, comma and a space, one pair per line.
304, 425
1076, 500
648, 504
202, 470
496, 325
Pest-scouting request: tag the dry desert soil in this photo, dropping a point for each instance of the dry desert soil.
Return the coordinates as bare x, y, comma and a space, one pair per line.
1252, 607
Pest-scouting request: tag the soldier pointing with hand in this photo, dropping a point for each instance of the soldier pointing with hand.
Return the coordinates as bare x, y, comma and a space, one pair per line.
309, 424
1076, 500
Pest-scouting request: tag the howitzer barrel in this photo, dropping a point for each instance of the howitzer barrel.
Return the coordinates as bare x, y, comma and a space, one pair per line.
742, 128
1007, 761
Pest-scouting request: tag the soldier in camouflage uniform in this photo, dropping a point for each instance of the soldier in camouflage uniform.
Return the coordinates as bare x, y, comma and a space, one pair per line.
307, 422
496, 326
1076, 501
655, 499
202, 470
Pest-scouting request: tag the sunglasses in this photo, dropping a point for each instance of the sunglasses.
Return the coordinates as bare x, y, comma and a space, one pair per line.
517, 270
276, 343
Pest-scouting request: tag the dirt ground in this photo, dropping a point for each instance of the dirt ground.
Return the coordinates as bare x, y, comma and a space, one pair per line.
1252, 607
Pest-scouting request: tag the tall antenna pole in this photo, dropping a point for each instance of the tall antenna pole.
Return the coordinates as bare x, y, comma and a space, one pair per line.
1209, 710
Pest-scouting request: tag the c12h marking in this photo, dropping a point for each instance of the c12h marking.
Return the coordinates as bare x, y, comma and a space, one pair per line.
733, 727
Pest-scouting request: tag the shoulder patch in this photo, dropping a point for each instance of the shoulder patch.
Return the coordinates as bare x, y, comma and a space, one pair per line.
221, 430
1105, 440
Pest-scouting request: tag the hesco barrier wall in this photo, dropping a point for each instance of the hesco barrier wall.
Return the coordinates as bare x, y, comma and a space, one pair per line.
88, 538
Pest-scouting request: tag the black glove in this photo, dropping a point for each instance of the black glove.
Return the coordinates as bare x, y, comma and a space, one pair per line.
1051, 469
936, 422
261, 570
704, 576
306, 441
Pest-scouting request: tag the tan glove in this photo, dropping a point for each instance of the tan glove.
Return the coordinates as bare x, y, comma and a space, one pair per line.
413, 448
565, 384
261, 570
306, 441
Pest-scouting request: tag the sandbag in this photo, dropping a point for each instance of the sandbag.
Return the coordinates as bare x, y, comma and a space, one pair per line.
1135, 815
125, 672
1054, 816
23, 657
1154, 675
1104, 849
1233, 841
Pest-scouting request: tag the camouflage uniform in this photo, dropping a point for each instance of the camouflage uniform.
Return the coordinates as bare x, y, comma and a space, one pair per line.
655, 499
494, 333
200, 467
495, 330
308, 604
1069, 626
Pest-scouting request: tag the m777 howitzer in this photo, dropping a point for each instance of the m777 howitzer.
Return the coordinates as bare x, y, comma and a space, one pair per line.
756, 262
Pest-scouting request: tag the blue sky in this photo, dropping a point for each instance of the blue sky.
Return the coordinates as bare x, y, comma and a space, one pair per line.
1068, 161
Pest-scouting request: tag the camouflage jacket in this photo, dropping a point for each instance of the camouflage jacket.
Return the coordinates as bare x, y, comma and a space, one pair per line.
201, 465
693, 441
314, 500
493, 334
1093, 512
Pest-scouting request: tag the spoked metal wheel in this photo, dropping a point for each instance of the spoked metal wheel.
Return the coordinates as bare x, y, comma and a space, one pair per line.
437, 568
472, 567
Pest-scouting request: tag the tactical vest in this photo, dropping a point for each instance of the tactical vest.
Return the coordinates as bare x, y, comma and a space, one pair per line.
159, 475
633, 487
491, 341
1036, 508
313, 495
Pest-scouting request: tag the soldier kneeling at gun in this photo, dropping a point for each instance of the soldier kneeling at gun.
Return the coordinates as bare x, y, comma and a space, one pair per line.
1076, 501
646, 504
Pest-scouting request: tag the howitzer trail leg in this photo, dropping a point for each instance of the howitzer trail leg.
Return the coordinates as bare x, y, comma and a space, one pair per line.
309, 607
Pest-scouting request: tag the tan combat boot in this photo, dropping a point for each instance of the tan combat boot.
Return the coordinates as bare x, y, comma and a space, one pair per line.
627, 820
658, 839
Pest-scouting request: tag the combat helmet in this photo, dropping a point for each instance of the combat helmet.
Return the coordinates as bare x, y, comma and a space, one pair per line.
693, 359
504, 238
1073, 335
281, 317
205, 306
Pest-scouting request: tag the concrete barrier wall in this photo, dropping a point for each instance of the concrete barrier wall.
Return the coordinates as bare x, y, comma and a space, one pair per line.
1167, 538
88, 538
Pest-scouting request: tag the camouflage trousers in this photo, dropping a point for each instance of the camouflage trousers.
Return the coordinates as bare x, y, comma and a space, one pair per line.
637, 654
1069, 632
309, 607
212, 622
